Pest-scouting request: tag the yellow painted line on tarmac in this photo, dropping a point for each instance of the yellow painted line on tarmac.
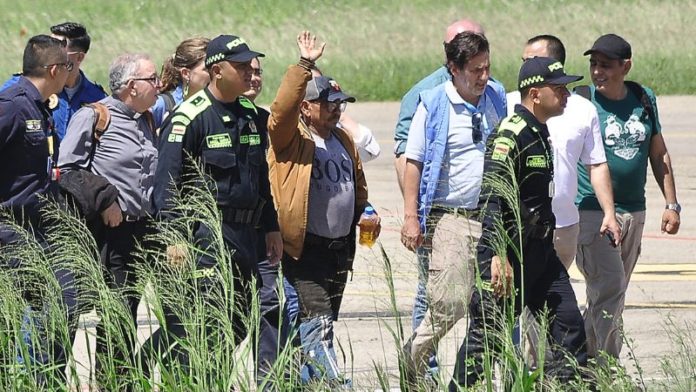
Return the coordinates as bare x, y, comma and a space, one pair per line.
673, 272
674, 305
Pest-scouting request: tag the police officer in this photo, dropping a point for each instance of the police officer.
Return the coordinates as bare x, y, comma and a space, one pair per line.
218, 127
27, 152
78, 90
518, 176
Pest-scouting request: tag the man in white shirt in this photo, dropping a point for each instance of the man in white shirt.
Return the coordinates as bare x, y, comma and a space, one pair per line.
575, 137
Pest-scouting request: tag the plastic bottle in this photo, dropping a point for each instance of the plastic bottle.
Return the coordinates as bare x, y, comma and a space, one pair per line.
368, 226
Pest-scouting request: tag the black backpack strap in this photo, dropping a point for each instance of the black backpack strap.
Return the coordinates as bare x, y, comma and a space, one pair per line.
644, 99
169, 101
583, 91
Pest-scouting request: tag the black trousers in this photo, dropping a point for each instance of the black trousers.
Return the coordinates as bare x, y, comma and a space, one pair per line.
319, 277
118, 255
546, 287
240, 240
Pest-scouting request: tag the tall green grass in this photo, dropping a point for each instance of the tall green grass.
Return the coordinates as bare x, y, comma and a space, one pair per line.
217, 360
377, 50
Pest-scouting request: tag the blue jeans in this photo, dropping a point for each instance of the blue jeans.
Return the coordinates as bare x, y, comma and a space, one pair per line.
420, 303
319, 278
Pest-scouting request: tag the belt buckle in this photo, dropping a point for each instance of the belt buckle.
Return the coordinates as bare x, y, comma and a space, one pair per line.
336, 245
129, 218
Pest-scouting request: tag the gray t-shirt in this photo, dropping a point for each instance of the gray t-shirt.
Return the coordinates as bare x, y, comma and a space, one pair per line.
331, 189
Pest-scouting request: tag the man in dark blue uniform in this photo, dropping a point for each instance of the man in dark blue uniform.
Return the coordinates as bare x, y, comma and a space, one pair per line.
516, 255
218, 127
27, 155
78, 90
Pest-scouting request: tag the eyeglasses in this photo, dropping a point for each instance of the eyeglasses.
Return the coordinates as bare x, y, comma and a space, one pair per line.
69, 65
476, 131
332, 106
155, 80
337, 105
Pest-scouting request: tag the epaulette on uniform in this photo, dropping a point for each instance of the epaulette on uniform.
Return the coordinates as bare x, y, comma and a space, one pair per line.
513, 123
192, 107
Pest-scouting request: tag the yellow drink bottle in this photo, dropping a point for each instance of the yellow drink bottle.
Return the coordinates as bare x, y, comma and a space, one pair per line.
368, 226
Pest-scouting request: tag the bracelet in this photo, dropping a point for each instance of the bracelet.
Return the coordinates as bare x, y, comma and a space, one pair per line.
306, 63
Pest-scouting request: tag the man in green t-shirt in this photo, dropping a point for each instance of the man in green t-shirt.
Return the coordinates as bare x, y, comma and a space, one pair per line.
631, 135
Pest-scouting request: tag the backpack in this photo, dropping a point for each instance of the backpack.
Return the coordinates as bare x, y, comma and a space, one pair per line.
102, 119
633, 87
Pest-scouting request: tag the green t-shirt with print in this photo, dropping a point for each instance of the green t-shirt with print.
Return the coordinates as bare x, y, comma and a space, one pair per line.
626, 132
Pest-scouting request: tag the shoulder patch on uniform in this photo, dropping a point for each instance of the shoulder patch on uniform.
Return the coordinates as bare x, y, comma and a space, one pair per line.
500, 152
175, 138
193, 106
513, 123
179, 129
33, 125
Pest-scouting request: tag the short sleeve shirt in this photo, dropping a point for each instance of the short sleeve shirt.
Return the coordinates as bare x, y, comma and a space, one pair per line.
627, 131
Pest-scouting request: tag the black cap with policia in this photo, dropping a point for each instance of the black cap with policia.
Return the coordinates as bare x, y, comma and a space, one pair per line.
229, 48
539, 71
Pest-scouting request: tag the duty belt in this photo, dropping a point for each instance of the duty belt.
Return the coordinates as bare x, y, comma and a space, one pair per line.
327, 243
243, 216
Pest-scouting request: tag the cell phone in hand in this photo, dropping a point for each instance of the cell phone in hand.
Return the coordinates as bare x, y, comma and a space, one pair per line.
610, 236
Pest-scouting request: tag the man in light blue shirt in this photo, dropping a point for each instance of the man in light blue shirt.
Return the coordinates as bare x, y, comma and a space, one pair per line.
444, 153
410, 100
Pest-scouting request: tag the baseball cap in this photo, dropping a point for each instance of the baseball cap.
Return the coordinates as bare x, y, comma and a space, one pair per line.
538, 71
612, 46
325, 88
229, 47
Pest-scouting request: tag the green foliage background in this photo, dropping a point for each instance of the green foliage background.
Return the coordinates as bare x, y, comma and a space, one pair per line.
377, 50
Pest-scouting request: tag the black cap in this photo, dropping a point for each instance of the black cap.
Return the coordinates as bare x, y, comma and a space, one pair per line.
327, 89
612, 46
538, 71
229, 47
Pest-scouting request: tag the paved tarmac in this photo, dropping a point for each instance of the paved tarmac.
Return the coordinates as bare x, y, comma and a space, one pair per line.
662, 287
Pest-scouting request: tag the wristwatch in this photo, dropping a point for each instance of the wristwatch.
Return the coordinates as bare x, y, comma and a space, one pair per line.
674, 207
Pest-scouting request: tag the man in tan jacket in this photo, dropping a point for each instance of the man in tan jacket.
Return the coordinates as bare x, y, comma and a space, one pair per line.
320, 191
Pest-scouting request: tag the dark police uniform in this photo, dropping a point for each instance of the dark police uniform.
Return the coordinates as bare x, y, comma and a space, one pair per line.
520, 154
225, 138
227, 141
28, 149
87, 92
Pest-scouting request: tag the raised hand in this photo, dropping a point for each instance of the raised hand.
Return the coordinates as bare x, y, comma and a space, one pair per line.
308, 46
